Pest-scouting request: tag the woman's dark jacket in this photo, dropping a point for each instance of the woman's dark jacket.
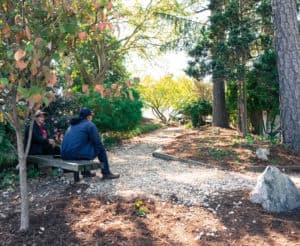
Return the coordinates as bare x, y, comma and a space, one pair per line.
38, 143
81, 141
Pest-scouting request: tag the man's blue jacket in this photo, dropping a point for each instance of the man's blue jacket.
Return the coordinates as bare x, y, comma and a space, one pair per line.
81, 141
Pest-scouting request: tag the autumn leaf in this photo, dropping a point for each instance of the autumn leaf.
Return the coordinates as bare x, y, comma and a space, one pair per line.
36, 98
96, 5
27, 32
69, 80
12, 78
114, 86
128, 83
38, 41
52, 80
21, 65
36, 62
131, 96
99, 88
102, 26
117, 94
82, 35
110, 25
6, 30
110, 6
85, 88
19, 36
34, 71
18, 19
19, 54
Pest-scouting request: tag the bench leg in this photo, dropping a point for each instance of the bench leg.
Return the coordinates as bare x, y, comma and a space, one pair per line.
76, 177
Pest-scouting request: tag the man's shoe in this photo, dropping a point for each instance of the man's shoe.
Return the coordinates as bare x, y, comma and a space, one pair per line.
111, 176
88, 174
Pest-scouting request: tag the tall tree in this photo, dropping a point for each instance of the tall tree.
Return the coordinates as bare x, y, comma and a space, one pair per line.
287, 46
220, 116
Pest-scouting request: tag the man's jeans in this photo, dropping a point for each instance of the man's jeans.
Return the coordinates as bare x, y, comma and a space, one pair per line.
102, 156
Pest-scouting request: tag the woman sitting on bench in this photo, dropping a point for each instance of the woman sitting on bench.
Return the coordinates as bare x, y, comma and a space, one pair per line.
41, 143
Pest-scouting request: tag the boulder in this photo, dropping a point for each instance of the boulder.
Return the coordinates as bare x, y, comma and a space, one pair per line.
275, 191
262, 154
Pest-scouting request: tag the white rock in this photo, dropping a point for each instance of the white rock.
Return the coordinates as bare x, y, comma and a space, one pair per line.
262, 154
275, 191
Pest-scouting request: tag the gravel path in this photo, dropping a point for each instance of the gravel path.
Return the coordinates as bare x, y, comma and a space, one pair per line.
141, 173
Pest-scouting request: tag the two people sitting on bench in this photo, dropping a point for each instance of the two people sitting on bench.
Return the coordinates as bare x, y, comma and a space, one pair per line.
41, 143
83, 142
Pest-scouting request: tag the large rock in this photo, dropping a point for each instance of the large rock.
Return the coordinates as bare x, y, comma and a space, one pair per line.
275, 191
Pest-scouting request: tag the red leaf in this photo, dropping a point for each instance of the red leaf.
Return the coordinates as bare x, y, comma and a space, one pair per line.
21, 65
110, 6
82, 35
85, 88
27, 32
19, 54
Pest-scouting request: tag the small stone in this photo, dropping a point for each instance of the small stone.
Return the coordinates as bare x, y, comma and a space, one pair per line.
231, 212
42, 228
254, 221
3, 216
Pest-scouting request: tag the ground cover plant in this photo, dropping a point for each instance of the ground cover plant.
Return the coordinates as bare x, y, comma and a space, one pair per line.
226, 148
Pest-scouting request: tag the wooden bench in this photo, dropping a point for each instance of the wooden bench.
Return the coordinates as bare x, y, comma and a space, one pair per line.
74, 166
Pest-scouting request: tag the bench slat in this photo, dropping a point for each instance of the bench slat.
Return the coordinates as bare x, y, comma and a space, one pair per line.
72, 165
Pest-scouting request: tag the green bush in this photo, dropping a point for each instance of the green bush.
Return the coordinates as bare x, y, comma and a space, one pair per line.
8, 154
60, 112
196, 110
120, 113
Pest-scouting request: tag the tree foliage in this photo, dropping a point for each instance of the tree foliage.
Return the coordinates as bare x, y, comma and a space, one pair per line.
167, 95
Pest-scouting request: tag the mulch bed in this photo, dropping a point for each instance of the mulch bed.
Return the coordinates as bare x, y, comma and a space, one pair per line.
226, 149
72, 219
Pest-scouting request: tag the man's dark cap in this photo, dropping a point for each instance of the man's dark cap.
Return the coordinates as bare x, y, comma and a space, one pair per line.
85, 112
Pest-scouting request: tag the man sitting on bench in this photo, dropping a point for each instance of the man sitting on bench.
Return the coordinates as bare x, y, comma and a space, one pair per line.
82, 142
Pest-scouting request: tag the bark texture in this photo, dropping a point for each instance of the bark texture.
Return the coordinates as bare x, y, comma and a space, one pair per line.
287, 46
23, 183
220, 116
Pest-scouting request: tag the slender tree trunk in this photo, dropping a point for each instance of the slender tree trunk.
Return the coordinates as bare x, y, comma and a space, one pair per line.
287, 46
220, 116
256, 122
23, 182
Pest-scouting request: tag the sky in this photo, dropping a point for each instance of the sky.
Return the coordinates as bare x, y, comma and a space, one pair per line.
162, 65
168, 63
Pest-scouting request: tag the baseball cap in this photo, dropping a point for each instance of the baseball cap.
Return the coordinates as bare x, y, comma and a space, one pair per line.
85, 112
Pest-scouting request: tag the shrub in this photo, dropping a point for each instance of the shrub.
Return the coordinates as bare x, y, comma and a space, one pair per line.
120, 113
196, 110
8, 154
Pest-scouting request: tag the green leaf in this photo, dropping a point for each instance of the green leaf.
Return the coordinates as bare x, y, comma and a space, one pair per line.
10, 54
29, 48
4, 81
56, 57
46, 101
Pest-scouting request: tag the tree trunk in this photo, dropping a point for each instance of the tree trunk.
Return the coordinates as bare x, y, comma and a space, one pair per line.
287, 46
257, 122
220, 116
23, 182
